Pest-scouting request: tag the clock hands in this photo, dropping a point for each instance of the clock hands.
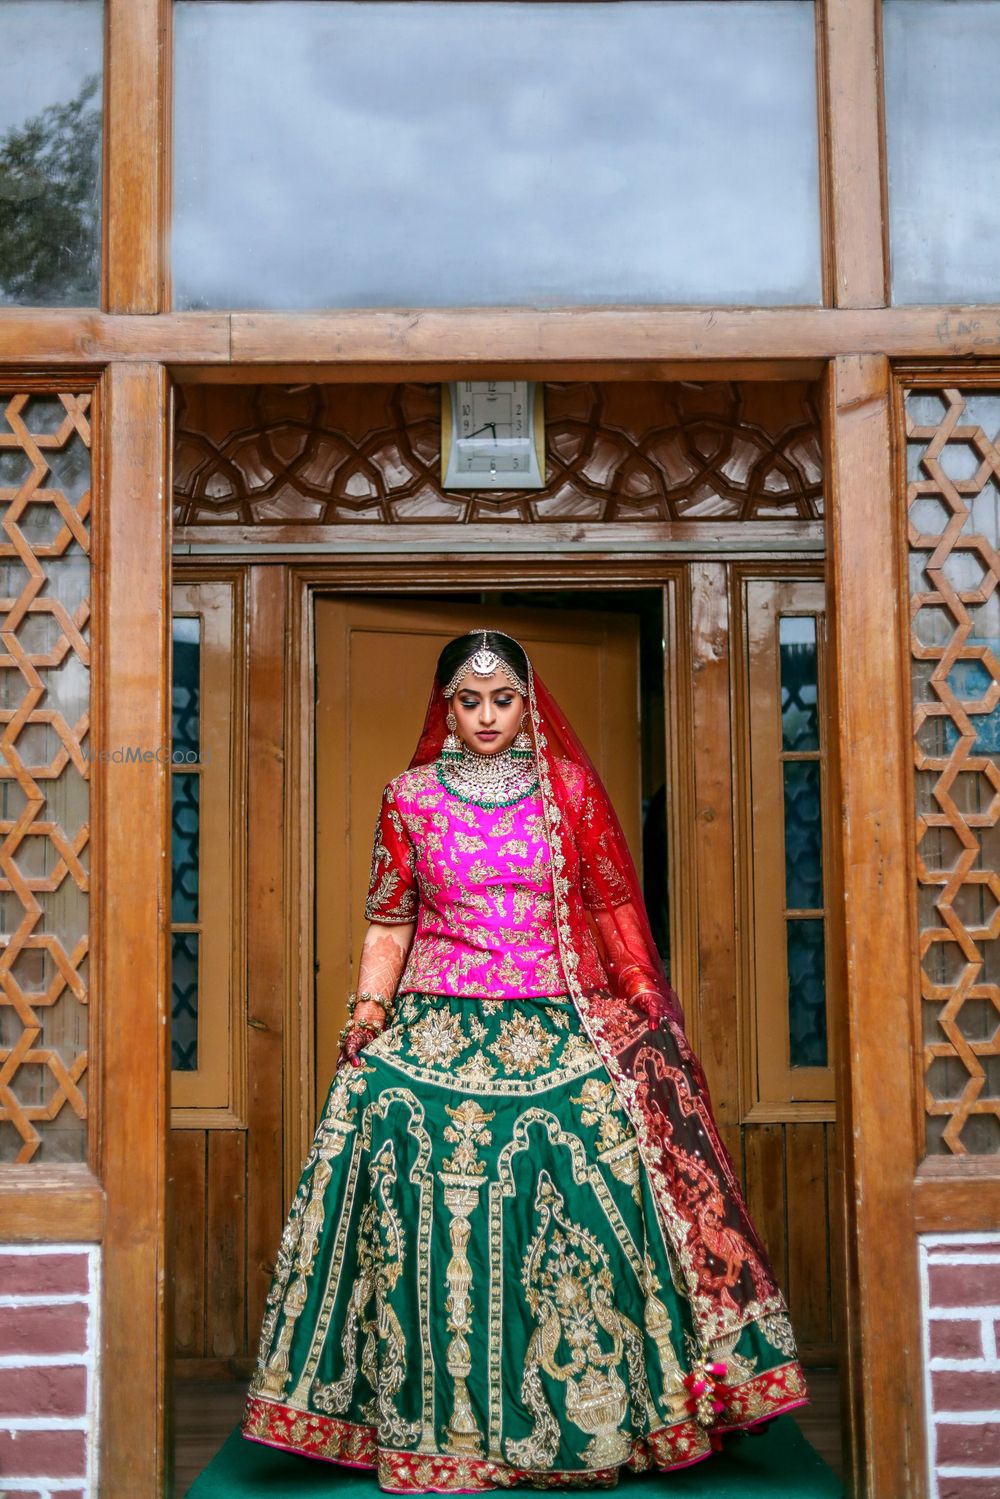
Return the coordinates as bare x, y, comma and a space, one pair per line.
483, 428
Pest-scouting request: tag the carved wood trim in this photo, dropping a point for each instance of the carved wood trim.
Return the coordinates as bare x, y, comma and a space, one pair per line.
632, 453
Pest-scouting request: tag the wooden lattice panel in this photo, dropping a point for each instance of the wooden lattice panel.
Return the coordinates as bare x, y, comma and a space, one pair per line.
44, 773
953, 453
332, 455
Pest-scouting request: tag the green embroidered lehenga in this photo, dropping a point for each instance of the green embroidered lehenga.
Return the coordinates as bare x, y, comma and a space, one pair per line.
517, 1253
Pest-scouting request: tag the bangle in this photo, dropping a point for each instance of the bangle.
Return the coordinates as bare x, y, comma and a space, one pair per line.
376, 996
352, 1025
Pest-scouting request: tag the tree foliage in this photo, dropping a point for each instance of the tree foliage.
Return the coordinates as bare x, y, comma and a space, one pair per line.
50, 205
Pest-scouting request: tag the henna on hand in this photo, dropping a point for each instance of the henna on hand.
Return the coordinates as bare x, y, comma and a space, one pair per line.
383, 957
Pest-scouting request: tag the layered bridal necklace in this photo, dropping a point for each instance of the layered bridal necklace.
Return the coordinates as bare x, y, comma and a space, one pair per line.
488, 781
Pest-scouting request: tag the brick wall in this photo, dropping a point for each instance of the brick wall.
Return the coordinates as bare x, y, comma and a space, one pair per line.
960, 1280
48, 1371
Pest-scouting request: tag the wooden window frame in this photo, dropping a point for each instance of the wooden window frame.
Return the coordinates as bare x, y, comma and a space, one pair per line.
133, 345
212, 1096
772, 1090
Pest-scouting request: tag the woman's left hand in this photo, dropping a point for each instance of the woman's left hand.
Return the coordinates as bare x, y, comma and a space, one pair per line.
355, 1041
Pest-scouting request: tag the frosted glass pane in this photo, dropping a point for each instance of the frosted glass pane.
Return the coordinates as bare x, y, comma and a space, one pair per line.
418, 154
51, 62
942, 60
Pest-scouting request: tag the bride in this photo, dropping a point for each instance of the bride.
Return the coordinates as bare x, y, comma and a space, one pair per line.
518, 1253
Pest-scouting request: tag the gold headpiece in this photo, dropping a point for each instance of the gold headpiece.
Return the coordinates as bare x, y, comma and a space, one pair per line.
483, 663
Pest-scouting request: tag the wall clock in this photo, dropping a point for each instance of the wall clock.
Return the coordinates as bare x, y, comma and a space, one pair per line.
492, 435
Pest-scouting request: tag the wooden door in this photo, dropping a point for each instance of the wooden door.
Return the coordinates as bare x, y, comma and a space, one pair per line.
374, 667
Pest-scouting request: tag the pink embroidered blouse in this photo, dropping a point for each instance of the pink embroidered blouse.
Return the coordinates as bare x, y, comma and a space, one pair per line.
479, 883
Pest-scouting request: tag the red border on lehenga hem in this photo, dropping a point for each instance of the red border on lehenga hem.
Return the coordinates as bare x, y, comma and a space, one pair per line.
311, 1434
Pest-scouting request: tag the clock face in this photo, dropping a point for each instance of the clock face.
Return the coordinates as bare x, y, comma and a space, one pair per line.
491, 442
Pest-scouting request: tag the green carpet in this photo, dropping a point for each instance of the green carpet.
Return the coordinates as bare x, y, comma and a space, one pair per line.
780, 1464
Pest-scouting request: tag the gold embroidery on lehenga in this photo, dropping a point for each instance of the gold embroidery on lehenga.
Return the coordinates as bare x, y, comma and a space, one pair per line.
437, 1038
276, 1371
523, 1045
462, 1179
381, 1255
476, 1072
300, 1395
584, 1172
618, 1148
568, 1286
420, 1177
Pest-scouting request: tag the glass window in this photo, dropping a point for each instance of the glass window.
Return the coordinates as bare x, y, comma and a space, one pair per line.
942, 58
50, 152
185, 806
342, 154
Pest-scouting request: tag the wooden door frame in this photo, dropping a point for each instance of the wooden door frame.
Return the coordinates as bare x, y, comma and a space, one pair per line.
396, 574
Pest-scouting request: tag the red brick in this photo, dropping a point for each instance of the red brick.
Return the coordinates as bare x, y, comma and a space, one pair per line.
43, 1329
49, 1391
43, 1274
965, 1390
57, 1454
964, 1285
31, 1494
956, 1339
957, 1488
976, 1445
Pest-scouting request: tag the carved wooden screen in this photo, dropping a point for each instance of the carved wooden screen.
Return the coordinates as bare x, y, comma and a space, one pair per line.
44, 772
953, 498
634, 451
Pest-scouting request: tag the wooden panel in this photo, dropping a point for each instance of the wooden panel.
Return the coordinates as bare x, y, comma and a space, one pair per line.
49, 335
225, 1244
351, 346
131, 667
633, 452
187, 1228
957, 1196
136, 158
764, 1153
855, 151
808, 1282
879, 1127
55, 1203
467, 338
267, 976
45, 582
715, 1020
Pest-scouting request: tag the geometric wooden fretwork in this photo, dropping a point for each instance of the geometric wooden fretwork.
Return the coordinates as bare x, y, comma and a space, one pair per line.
44, 772
621, 451
953, 503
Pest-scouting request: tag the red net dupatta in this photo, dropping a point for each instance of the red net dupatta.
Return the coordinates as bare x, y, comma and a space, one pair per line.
634, 1019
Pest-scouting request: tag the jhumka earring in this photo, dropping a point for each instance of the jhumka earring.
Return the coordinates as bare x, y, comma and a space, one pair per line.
452, 747
522, 748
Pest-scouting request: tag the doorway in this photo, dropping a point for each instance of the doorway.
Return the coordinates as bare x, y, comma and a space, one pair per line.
700, 691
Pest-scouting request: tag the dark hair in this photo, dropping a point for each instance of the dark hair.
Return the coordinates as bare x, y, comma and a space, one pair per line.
459, 650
